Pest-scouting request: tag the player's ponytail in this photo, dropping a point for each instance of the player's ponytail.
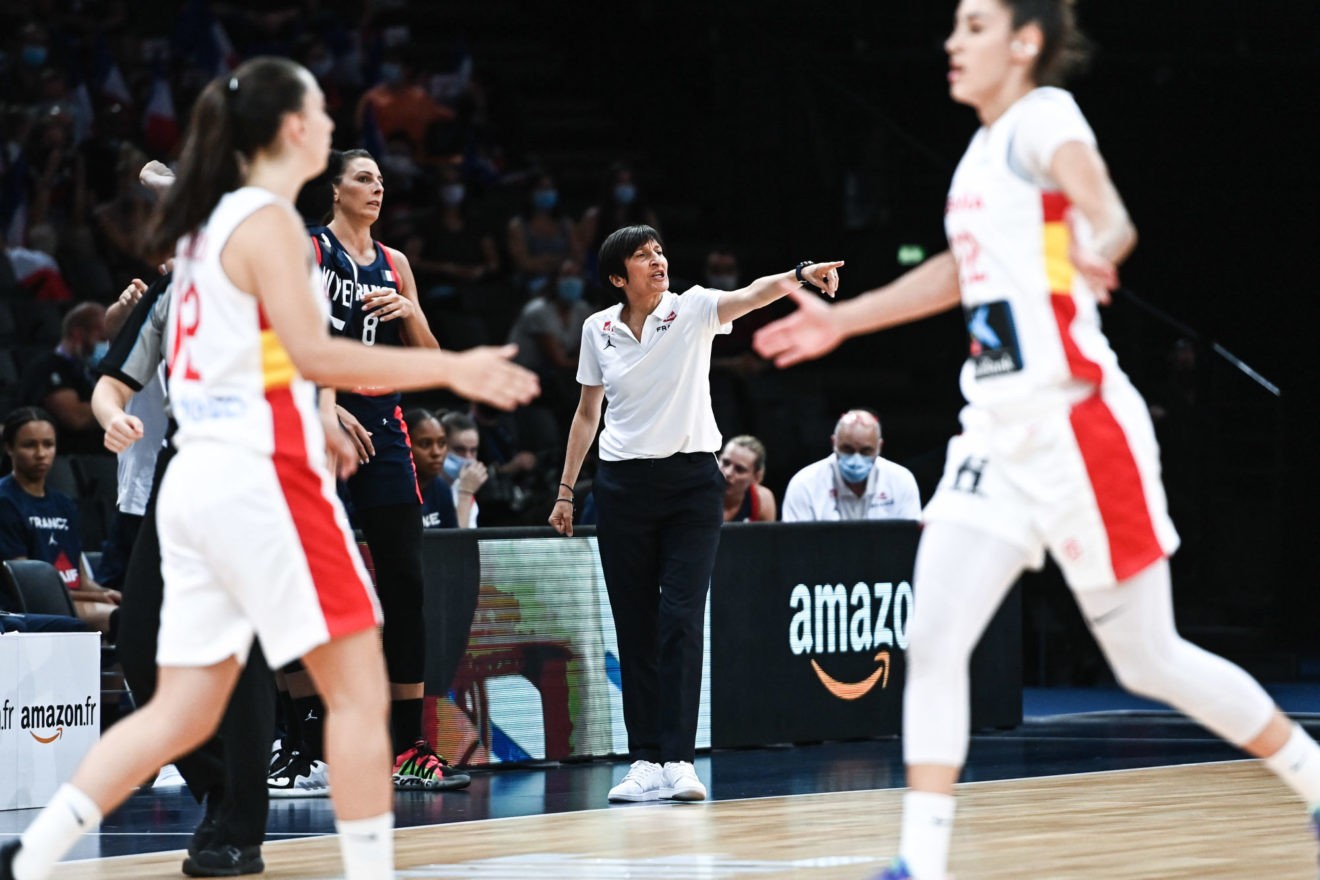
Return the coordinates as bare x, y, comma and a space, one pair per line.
1065, 51
234, 116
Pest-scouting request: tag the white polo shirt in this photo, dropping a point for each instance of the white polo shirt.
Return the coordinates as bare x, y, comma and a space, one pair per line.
658, 387
817, 493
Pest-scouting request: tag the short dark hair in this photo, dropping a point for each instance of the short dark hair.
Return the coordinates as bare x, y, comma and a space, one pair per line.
457, 422
414, 418
619, 245
1065, 50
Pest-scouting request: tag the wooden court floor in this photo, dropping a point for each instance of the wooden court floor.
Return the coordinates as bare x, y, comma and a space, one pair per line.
1195, 822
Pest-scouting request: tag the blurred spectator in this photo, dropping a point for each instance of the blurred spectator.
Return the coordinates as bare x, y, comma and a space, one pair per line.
121, 219
541, 236
461, 471
855, 482
61, 381
446, 251
35, 271
548, 334
397, 104
743, 464
37, 522
620, 203
520, 452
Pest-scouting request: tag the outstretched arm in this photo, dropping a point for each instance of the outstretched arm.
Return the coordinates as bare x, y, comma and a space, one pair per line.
763, 291
816, 329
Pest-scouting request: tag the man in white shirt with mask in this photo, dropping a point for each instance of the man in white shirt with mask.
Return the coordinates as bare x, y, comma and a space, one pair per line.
855, 482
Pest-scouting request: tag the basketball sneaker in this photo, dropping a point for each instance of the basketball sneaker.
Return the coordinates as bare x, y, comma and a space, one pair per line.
224, 860
421, 769
682, 782
302, 777
644, 781
898, 870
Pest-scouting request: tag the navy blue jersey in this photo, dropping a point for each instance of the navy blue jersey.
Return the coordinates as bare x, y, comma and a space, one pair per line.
389, 477
40, 528
438, 505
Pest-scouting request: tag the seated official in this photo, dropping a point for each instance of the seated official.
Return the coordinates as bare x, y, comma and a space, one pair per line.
854, 483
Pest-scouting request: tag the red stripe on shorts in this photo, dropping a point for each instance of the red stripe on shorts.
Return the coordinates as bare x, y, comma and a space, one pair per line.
344, 602
407, 441
1116, 481
1079, 365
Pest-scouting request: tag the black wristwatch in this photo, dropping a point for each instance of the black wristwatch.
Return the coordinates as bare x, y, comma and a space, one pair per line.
797, 270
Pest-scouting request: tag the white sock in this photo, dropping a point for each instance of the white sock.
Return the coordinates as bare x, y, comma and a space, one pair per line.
53, 833
927, 826
367, 846
1298, 765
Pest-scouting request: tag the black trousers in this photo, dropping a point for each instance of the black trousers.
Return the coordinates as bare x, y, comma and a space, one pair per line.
394, 536
230, 769
658, 530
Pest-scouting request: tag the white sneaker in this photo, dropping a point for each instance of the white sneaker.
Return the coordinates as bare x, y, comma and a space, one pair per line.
682, 782
301, 778
168, 777
644, 781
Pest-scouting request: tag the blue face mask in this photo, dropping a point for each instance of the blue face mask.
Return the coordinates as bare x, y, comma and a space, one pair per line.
624, 193
544, 199
570, 289
98, 351
452, 193
453, 464
391, 73
33, 56
855, 468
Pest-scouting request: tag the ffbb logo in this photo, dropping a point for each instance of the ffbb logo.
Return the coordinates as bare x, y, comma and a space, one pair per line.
831, 620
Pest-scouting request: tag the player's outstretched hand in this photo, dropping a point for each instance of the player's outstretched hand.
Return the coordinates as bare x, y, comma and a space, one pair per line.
808, 333
487, 374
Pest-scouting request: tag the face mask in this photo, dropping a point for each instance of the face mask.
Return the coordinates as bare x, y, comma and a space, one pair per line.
453, 464
321, 69
452, 193
855, 468
98, 351
34, 56
722, 282
544, 199
570, 289
391, 73
624, 193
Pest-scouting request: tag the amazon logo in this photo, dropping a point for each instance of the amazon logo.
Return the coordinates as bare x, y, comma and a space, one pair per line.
831, 620
46, 723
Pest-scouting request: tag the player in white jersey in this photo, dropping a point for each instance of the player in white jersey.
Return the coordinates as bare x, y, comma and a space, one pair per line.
1057, 451
254, 539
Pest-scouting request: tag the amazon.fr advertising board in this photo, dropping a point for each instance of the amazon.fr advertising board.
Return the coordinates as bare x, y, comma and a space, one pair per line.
50, 712
805, 634
809, 629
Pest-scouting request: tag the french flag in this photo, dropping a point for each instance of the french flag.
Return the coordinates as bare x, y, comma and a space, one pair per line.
108, 75
226, 56
159, 122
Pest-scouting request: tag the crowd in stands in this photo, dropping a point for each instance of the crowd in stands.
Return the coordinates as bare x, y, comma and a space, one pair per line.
89, 92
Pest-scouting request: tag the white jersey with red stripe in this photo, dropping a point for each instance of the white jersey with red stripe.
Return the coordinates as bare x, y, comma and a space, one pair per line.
1033, 325
230, 378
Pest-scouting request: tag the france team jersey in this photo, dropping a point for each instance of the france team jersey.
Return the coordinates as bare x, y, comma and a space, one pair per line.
43, 528
388, 478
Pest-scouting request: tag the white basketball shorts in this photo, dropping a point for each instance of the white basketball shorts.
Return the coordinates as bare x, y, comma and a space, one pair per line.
1082, 482
254, 545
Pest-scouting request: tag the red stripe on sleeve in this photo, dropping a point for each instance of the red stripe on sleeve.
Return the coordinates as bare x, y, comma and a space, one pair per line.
1116, 481
342, 596
1055, 206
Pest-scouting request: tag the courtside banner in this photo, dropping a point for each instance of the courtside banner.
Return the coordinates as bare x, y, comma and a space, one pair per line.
809, 632
522, 657
50, 712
